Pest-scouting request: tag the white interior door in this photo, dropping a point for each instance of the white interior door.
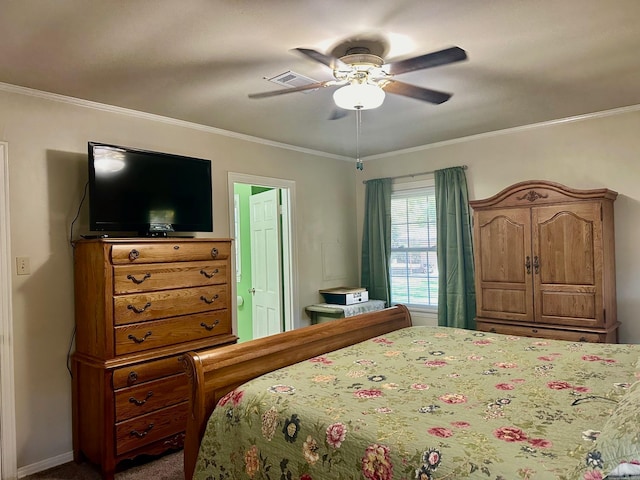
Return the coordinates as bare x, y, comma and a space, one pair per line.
266, 263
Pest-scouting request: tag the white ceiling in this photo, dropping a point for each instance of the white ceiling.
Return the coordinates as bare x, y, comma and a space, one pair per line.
197, 60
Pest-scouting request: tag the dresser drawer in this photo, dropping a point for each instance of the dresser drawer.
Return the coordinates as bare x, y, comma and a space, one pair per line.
169, 303
146, 429
166, 276
169, 252
541, 332
150, 396
139, 337
144, 372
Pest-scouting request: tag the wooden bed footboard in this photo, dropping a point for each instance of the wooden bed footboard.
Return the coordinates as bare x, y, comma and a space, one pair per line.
215, 372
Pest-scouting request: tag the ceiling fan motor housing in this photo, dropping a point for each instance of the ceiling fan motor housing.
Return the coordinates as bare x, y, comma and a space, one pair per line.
365, 59
363, 68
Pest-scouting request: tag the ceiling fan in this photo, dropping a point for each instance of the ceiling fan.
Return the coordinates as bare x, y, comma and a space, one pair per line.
364, 78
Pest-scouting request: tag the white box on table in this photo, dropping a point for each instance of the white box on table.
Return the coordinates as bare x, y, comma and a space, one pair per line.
345, 295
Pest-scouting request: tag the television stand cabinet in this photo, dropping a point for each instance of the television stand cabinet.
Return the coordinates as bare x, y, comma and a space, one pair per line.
140, 304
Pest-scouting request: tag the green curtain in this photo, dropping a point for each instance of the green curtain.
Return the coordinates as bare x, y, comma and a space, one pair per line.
456, 288
376, 240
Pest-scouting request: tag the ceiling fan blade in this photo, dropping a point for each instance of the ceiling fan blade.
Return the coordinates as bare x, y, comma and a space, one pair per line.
338, 113
331, 62
442, 57
302, 88
420, 93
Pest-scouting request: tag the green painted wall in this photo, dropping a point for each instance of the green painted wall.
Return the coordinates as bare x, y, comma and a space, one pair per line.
245, 325
255, 189
245, 321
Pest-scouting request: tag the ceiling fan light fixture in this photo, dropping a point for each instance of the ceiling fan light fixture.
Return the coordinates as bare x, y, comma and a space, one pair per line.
359, 96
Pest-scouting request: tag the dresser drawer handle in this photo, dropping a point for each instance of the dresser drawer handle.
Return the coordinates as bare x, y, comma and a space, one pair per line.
534, 330
139, 340
492, 330
134, 254
214, 252
210, 327
141, 402
136, 281
209, 275
583, 339
206, 300
132, 377
139, 310
135, 433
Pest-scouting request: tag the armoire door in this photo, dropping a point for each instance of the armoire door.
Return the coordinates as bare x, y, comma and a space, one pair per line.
567, 273
504, 264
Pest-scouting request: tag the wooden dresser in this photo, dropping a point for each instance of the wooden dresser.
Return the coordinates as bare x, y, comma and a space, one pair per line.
545, 262
140, 304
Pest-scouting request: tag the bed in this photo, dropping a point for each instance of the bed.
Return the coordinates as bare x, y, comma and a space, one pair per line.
372, 397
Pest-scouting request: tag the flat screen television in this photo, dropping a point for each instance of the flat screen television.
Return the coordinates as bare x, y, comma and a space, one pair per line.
147, 193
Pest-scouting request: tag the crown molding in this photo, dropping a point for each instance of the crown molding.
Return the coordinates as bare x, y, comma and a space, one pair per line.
55, 97
7, 87
507, 131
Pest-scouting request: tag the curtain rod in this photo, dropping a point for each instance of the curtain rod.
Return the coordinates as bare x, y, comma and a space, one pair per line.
464, 167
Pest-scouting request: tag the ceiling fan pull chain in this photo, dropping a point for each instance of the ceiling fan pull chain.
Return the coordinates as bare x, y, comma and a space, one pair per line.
359, 165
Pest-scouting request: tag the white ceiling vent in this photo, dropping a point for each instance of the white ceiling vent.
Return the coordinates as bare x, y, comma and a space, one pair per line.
293, 79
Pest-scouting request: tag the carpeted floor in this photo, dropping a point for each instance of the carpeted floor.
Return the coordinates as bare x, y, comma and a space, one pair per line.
166, 467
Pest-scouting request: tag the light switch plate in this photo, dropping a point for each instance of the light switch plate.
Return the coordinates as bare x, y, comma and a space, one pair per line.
23, 266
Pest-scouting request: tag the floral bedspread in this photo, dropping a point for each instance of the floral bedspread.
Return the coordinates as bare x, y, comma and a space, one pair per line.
425, 403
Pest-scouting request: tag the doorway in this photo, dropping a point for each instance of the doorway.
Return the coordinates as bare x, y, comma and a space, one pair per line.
8, 458
262, 219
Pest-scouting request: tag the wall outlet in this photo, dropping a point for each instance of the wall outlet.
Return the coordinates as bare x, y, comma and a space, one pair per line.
23, 266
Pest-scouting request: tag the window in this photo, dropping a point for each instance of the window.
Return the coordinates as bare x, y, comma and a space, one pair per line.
414, 263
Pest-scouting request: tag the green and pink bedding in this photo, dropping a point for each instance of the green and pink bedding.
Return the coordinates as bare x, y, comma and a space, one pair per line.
434, 403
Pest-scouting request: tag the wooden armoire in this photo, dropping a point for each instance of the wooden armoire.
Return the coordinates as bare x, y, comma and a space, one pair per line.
545, 262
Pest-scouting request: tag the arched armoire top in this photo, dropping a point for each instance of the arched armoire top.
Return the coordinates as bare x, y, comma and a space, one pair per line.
540, 192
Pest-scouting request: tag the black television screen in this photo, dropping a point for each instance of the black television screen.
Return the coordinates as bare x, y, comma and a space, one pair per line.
150, 193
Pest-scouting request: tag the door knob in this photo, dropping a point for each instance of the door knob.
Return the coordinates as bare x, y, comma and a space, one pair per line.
252, 291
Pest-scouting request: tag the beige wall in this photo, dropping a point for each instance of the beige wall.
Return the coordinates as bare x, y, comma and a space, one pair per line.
47, 170
601, 151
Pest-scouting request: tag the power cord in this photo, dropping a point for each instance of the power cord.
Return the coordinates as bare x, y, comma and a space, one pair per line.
73, 336
84, 195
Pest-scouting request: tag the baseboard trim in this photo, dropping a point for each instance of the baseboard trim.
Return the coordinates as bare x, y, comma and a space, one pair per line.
45, 464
